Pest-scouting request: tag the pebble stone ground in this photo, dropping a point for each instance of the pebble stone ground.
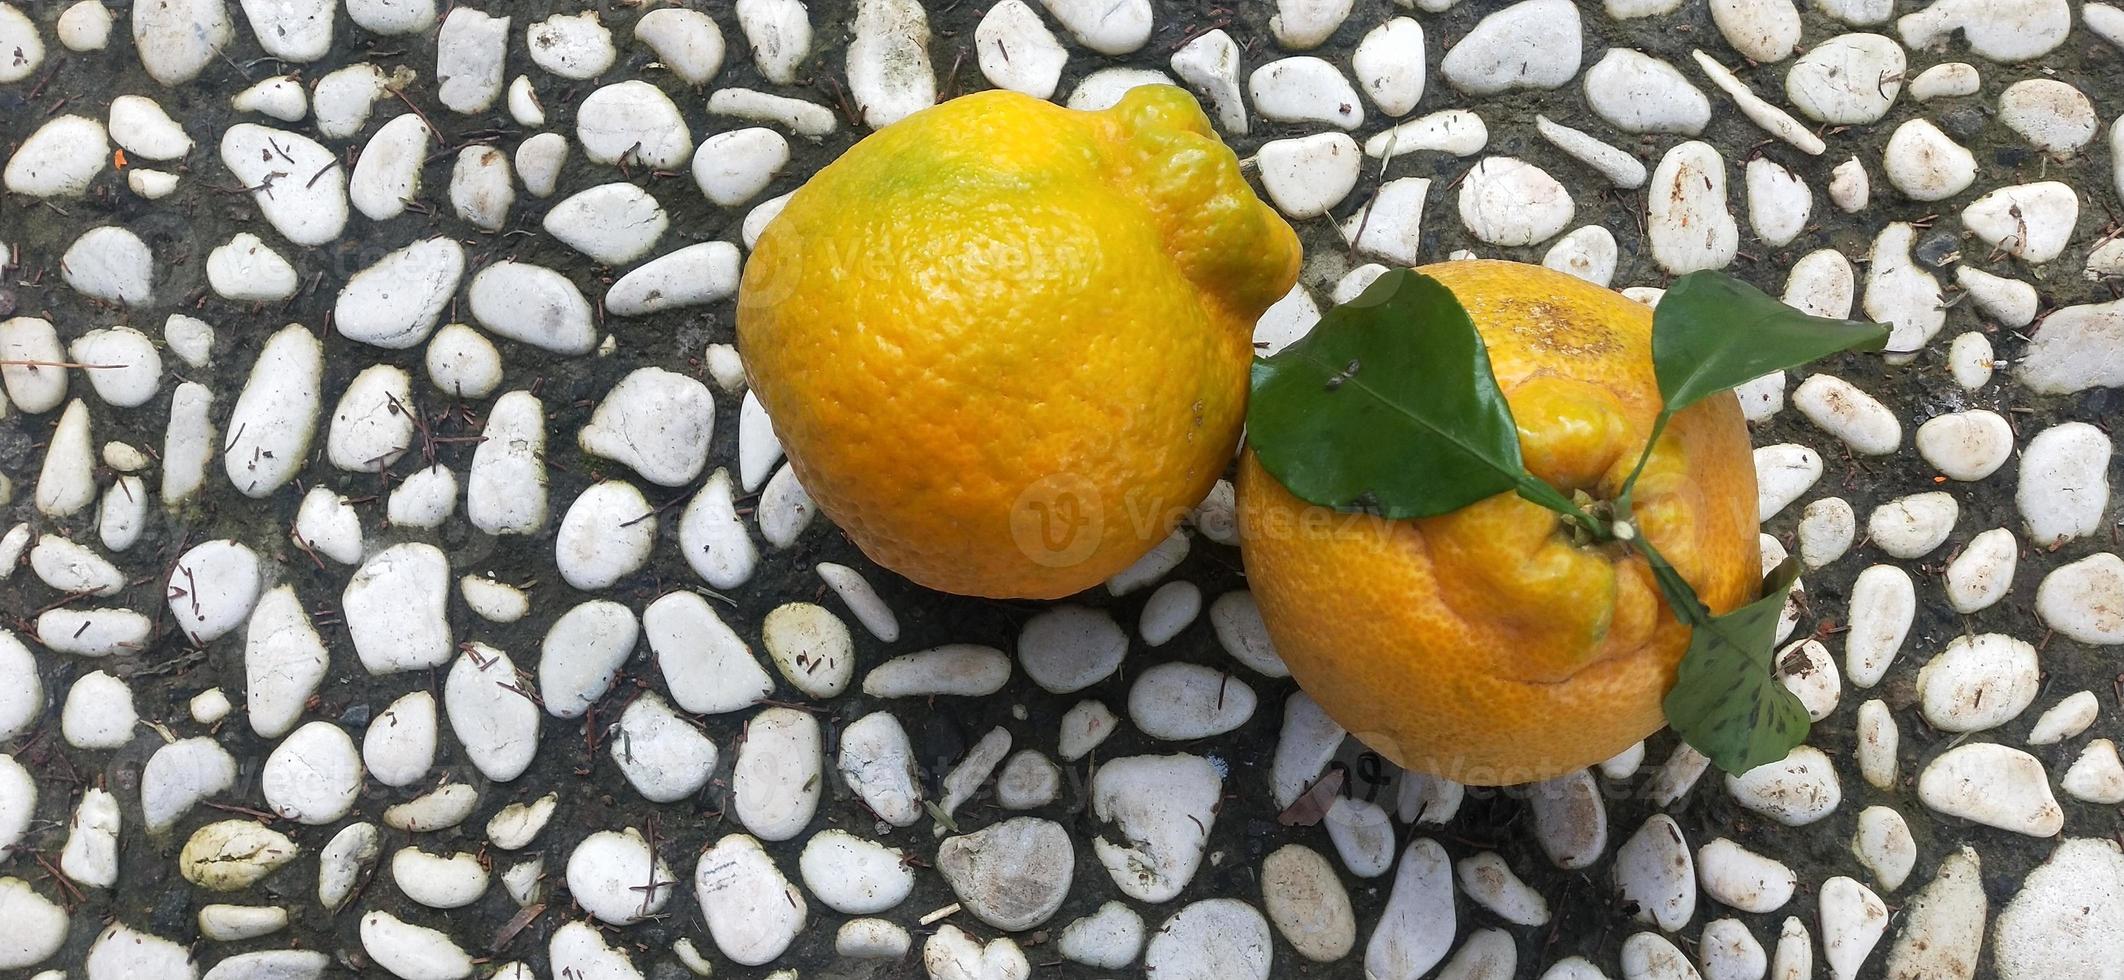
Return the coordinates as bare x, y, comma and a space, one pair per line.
386, 515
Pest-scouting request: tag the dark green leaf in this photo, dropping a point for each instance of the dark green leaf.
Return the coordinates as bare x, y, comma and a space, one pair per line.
1388, 405
1727, 702
1712, 332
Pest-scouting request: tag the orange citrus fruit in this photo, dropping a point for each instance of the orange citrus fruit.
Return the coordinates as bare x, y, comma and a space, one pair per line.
1490, 645
1006, 344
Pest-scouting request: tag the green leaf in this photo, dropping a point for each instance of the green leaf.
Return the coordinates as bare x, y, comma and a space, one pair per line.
1712, 332
1727, 702
1388, 405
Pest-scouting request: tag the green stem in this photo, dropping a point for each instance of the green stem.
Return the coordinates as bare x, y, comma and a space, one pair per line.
1659, 427
1680, 595
1532, 489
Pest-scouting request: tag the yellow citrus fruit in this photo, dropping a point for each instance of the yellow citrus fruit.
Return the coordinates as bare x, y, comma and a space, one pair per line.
1006, 344
1487, 645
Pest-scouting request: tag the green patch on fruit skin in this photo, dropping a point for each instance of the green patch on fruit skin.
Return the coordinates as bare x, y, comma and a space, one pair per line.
1389, 406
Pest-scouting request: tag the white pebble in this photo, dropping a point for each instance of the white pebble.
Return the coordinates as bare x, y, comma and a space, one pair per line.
2085, 600
1968, 445
1842, 410
1216, 937
1308, 175
1761, 30
1305, 90
177, 40
1110, 937
779, 32
1570, 819
470, 51
1926, 164
1084, 727
462, 362
775, 782
1615, 165
1740, 878
1507, 201
1943, 926
2064, 483
309, 205
1183, 701
450, 882
2097, 776
1913, 526
481, 189
412, 952
1455, 131
2066, 719
878, 764
313, 775
1850, 79
1993, 785
889, 73
1208, 64
1883, 844
811, 648
1948, 80
1981, 574
868, 939
655, 422
178, 776
1069, 648
396, 607
1772, 119
2028, 221
1161, 808
387, 175
1849, 187
98, 713
1779, 203
1688, 220
1105, 26
1795, 791
1417, 927
538, 162
1389, 65
2060, 920
618, 878
441, 808
1655, 872
1390, 225
798, 116
1969, 360
110, 264
281, 97
491, 713
752, 911
399, 746
59, 159
854, 876
1853, 919
1783, 473
1821, 284
84, 26
1638, 93
734, 167
275, 417
2051, 115
1534, 44
635, 121
91, 853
